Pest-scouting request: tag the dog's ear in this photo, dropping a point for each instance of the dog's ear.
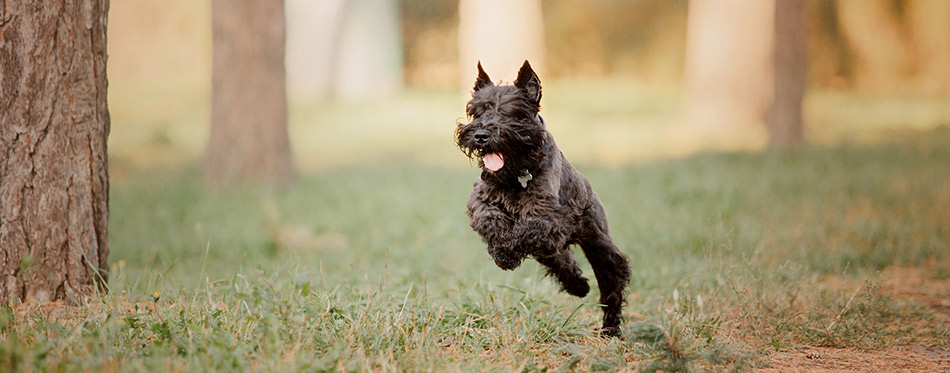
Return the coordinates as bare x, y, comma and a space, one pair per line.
528, 82
483, 80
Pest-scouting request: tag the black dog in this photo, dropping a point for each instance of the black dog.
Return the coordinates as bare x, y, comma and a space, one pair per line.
529, 200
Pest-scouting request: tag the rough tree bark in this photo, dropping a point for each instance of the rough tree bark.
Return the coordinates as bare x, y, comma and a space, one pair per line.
784, 117
249, 140
54, 123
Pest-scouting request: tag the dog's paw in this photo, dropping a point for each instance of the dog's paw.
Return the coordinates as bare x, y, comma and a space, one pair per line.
507, 262
578, 288
505, 257
611, 324
612, 331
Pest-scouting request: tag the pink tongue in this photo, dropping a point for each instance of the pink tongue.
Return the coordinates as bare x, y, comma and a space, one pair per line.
493, 161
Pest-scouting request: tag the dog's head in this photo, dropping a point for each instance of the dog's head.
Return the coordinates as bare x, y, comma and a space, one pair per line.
504, 132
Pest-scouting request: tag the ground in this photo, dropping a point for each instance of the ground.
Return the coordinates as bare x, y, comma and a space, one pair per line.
834, 257
898, 359
918, 284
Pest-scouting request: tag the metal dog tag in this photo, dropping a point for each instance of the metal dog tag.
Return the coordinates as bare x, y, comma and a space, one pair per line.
524, 179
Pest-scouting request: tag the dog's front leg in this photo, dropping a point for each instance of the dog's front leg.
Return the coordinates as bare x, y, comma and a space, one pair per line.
542, 235
543, 231
496, 229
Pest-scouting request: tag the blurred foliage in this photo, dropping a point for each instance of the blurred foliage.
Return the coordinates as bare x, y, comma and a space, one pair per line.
430, 43
641, 38
873, 46
612, 94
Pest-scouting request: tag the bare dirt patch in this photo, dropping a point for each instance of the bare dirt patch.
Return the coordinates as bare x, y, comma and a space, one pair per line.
895, 359
924, 284
927, 285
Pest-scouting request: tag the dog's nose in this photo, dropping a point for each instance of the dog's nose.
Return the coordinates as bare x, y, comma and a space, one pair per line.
481, 136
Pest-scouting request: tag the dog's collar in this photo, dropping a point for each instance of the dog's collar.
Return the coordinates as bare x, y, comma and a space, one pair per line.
541, 120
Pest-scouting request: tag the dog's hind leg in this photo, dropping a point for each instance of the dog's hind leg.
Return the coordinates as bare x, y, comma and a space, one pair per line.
611, 267
562, 267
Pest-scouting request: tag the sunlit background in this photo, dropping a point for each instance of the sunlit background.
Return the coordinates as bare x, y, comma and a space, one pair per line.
612, 71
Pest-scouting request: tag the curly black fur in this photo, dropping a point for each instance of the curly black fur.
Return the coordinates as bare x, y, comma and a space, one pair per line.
544, 216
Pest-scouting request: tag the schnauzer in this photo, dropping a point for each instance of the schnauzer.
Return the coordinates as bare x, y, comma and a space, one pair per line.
529, 200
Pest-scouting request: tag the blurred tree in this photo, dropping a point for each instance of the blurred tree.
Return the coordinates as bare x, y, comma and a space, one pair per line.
249, 140
54, 123
829, 58
872, 30
728, 70
642, 38
369, 59
784, 117
578, 36
929, 25
430, 43
881, 47
502, 34
745, 68
313, 38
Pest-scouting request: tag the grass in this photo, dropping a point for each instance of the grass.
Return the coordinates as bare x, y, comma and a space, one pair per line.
367, 262
373, 267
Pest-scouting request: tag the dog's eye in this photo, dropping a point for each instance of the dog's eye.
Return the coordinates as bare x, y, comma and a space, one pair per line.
520, 115
476, 110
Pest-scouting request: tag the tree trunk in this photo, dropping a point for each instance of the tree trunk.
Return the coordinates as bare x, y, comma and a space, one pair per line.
873, 33
313, 42
502, 35
784, 119
54, 123
249, 140
929, 24
369, 62
745, 72
728, 70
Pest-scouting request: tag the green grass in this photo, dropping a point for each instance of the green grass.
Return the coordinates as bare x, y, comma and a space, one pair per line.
373, 267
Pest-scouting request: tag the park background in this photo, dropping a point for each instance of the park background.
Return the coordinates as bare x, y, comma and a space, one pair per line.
830, 254
871, 67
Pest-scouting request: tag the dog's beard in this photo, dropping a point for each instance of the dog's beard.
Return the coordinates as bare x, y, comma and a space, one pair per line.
512, 149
